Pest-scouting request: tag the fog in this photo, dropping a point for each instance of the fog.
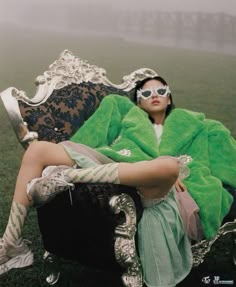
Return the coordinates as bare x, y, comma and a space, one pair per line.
27, 25
206, 25
211, 6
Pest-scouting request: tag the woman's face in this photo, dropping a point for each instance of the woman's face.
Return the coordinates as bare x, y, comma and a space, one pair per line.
154, 104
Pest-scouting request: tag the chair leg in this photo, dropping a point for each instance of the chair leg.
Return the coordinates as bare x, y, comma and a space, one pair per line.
125, 249
51, 268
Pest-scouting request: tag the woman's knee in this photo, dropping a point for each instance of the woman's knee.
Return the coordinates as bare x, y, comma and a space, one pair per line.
35, 152
169, 167
167, 172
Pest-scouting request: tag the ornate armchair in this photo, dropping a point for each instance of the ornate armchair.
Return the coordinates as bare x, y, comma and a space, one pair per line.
96, 224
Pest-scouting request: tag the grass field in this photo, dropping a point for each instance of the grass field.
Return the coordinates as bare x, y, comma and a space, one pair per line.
203, 82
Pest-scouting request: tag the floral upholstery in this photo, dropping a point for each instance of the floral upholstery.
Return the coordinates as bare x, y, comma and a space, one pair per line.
65, 110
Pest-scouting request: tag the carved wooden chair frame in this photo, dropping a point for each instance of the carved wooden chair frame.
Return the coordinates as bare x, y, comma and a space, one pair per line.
66, 70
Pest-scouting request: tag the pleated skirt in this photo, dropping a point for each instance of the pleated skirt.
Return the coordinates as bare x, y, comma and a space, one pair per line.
164, 248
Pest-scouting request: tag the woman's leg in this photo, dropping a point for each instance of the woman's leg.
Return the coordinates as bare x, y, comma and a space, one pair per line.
153, 178
36, 158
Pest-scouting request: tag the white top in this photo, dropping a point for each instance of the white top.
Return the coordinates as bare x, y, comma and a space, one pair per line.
158, 130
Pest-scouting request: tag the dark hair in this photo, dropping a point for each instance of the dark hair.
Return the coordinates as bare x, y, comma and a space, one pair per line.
140, 84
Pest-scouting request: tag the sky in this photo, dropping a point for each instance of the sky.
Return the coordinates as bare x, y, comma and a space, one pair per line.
8, 7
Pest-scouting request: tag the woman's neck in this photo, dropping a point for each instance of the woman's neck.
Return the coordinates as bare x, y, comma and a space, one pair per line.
158, 118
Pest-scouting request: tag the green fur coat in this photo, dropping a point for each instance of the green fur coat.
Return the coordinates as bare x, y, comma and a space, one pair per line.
122, 131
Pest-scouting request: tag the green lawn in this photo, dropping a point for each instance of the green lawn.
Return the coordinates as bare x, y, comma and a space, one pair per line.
203, 82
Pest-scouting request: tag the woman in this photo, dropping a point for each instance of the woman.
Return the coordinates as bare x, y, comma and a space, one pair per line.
122, 142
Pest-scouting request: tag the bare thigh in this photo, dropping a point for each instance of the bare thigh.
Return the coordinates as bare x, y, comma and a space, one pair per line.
153, 178
44, 153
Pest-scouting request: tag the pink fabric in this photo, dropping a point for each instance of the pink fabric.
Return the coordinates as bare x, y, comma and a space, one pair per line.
189, 213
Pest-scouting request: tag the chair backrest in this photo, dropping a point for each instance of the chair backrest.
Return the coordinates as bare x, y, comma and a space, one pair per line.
67, 95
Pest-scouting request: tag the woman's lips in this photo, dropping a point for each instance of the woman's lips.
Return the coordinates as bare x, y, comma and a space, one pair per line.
155, 102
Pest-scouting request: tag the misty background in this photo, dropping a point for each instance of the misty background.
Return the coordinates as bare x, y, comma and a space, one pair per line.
207, 25
34, 32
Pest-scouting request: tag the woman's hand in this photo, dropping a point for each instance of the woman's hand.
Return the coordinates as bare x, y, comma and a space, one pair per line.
180, 187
